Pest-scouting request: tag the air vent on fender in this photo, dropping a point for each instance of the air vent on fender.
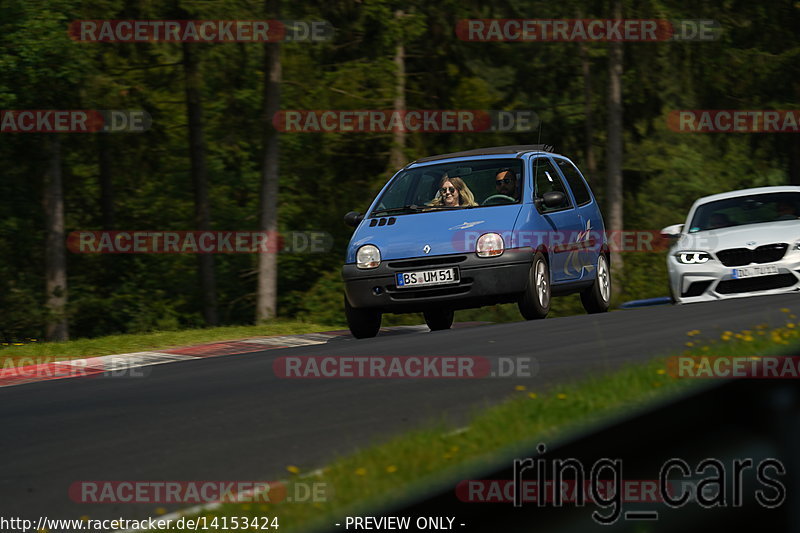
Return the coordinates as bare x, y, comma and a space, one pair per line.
382, 222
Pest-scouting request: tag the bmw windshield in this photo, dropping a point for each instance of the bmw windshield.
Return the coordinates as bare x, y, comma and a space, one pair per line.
743, 210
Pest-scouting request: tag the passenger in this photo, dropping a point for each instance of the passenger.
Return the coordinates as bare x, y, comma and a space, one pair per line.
453, 192
718, 220
505, 182
786, 210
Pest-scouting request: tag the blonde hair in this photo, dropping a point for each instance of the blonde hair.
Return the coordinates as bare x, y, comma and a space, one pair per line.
465, 196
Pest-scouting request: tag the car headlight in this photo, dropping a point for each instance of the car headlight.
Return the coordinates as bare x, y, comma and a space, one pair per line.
368, 256
692, 257
489, 245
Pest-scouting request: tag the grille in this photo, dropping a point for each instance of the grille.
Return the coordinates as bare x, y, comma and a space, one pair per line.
696, 289
428, 261
760, 283
744, 256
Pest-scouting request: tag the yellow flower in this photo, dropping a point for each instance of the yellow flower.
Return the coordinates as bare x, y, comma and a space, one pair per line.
293, 469
361, 471
785, 310
790, 325
391, 469
689, 344
661, 371
454, 449
519, 387
561, 396
85, 518
532, 395
160, 511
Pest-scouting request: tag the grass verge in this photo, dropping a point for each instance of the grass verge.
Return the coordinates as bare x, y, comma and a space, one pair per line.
384, 472
42, 352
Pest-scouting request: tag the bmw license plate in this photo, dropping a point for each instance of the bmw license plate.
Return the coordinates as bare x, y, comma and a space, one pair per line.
424, 278
751, 272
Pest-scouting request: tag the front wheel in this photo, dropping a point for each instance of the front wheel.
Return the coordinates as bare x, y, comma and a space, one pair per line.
363, 323
535, 301
596, 299
438, 319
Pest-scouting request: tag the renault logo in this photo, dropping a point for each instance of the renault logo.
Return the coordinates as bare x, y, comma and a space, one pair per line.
750, 243
427, 248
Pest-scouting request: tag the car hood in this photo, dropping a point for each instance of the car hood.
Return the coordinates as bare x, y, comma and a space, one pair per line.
749, 236
445, 232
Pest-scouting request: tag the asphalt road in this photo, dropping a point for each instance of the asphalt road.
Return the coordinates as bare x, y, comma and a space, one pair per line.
231, 418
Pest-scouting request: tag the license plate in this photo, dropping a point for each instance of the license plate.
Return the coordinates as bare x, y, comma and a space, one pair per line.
751, 272
424, 278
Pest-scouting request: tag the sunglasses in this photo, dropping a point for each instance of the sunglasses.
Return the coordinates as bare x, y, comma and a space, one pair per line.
445, 190
504, 180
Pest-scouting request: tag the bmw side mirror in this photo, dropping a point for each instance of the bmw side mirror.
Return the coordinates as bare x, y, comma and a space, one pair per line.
353, 218
672, 232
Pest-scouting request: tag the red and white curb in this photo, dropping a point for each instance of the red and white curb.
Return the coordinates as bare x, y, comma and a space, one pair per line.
74, 368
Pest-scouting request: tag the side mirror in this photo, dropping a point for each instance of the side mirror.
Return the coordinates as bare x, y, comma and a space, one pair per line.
550, 199
672, 232
353, 218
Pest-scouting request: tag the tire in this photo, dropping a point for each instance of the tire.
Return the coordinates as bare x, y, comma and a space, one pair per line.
597, 298
439, 318
363, 323
535, 301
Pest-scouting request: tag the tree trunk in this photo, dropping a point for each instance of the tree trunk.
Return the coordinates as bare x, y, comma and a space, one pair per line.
588, 112
397, 155
107, 210
199, 170
267, 295
57, 327
614, 184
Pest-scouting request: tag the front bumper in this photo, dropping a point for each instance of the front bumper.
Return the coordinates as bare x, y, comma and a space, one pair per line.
714, 281
483, 281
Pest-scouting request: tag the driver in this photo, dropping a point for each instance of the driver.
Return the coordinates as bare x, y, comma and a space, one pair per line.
505, 181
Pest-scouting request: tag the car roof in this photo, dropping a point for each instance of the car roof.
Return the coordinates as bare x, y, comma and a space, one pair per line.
516, 150
747, 192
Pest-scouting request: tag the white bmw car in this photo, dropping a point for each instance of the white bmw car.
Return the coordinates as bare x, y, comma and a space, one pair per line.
738, 243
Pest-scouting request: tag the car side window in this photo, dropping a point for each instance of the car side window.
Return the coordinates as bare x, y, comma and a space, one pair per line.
575, 181
547, 179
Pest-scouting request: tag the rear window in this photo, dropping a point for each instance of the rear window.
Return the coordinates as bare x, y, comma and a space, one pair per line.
575, 181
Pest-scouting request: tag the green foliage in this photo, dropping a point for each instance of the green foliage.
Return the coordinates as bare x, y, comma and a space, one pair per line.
754, 65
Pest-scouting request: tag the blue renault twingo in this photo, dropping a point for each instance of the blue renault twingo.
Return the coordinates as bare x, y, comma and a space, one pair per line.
468, 229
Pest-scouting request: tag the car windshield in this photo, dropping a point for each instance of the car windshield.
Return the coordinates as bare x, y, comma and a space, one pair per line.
466, 184
743, 210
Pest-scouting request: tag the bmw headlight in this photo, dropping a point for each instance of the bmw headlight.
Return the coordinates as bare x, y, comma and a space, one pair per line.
692, 257
489, 245
368, 256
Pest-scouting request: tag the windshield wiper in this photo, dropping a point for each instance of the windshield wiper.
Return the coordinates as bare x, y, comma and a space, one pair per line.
396, 210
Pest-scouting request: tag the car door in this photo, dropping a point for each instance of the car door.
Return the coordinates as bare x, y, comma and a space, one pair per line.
592, 224
563, 221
